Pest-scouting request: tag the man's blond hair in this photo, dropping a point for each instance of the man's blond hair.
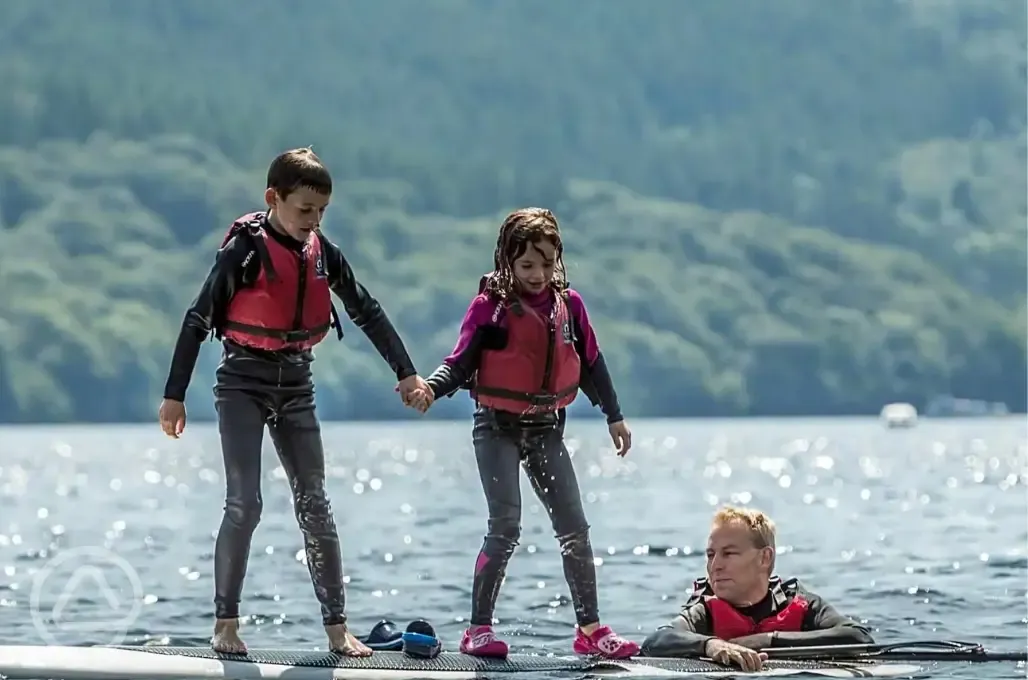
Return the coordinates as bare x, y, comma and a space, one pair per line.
759, 525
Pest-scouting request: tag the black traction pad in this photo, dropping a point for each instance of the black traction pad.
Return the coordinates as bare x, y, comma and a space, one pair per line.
463, 663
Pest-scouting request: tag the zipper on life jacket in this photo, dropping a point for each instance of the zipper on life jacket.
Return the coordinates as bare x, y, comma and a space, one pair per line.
301, 289
551, 330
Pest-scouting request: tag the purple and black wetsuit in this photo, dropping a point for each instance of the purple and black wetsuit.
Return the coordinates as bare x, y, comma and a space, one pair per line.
505, 441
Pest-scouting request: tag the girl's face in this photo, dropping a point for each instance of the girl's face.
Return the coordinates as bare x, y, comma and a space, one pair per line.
299, 213
534, 269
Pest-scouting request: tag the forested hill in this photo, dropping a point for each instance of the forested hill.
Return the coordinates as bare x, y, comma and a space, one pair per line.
789, 207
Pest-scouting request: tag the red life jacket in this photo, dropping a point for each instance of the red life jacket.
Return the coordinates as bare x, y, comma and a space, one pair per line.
538, 369
289, 306
727, 623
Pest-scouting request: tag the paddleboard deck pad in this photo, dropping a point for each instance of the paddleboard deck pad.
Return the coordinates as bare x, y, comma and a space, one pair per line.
158, 663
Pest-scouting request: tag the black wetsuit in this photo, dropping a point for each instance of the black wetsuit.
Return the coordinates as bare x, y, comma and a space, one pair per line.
688, 634
504, 442
255, 388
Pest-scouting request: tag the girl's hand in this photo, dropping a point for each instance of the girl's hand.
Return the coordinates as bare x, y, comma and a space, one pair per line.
421, 399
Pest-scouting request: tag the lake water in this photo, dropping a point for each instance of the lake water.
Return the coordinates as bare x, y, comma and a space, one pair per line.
923, 533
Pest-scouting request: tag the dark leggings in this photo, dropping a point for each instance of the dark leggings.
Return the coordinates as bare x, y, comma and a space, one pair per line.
502, 445
253, 391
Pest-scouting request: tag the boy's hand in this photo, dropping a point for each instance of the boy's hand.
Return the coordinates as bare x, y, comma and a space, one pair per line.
172, 417
411, 385
621, 436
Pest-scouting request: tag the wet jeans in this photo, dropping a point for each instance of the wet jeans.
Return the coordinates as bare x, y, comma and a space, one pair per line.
503, 444
252, 391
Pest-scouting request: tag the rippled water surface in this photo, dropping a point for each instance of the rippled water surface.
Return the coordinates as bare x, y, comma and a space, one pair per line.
923, 533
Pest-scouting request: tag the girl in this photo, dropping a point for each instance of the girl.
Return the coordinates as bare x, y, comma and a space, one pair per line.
525, 348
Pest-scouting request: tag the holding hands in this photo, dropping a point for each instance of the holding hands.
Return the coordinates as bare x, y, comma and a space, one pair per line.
416, 393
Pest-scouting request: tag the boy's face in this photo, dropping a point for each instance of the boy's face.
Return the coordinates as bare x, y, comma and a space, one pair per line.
300, 213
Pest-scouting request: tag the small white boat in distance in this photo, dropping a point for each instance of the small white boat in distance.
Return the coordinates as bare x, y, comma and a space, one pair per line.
899, 414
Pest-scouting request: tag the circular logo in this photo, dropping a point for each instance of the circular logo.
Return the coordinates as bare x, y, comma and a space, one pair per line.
86, 595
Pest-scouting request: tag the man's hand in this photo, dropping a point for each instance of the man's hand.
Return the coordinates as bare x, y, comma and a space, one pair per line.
731, 654
621, 436
415, 392
172, 417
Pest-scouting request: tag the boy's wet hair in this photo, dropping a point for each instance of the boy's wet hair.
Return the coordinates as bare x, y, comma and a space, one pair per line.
522, 228
298, 168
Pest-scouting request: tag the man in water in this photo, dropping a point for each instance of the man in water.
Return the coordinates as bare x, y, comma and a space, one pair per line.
740, 609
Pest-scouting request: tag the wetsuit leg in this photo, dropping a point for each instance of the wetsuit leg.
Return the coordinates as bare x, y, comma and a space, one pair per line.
241, 419
498, 454
552, 474
296, 433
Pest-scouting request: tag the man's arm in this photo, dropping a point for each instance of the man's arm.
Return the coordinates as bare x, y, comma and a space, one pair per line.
824, 625
365, 312
686, 637
233, 265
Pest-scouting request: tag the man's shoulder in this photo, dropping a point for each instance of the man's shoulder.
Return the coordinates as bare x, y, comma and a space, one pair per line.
794, 586
699, 592
798, 590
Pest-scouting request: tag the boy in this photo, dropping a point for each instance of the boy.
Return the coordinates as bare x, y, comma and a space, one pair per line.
268, 298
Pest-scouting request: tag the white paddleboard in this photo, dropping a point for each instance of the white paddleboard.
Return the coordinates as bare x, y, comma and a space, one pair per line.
182, 663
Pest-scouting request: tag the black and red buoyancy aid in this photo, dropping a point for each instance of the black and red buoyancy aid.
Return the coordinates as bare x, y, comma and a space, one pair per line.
538, 369
728, 623
289, 306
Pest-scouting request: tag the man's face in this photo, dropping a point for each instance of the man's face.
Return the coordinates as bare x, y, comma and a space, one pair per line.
737, 568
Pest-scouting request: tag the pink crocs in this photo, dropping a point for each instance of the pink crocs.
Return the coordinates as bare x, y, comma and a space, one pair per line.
482, 641
604, 642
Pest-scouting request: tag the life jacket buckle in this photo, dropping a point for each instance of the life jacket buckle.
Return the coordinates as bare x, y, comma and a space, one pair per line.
542, 399
296, 336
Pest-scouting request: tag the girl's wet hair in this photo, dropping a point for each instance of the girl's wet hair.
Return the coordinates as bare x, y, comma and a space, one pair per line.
522, 228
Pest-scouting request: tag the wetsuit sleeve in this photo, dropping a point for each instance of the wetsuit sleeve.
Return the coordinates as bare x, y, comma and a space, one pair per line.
365, 312
686, 637
476, 333
824, 625
235, 265
594, 364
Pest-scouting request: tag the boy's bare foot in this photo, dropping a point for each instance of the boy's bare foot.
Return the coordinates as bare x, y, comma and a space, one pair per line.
226, 637
342, 641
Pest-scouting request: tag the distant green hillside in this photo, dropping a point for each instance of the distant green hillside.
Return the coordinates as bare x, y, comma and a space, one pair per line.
788, 207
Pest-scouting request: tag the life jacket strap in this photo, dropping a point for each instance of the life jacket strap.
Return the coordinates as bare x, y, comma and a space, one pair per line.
299, 335
536, 399
336, 322
254, 230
